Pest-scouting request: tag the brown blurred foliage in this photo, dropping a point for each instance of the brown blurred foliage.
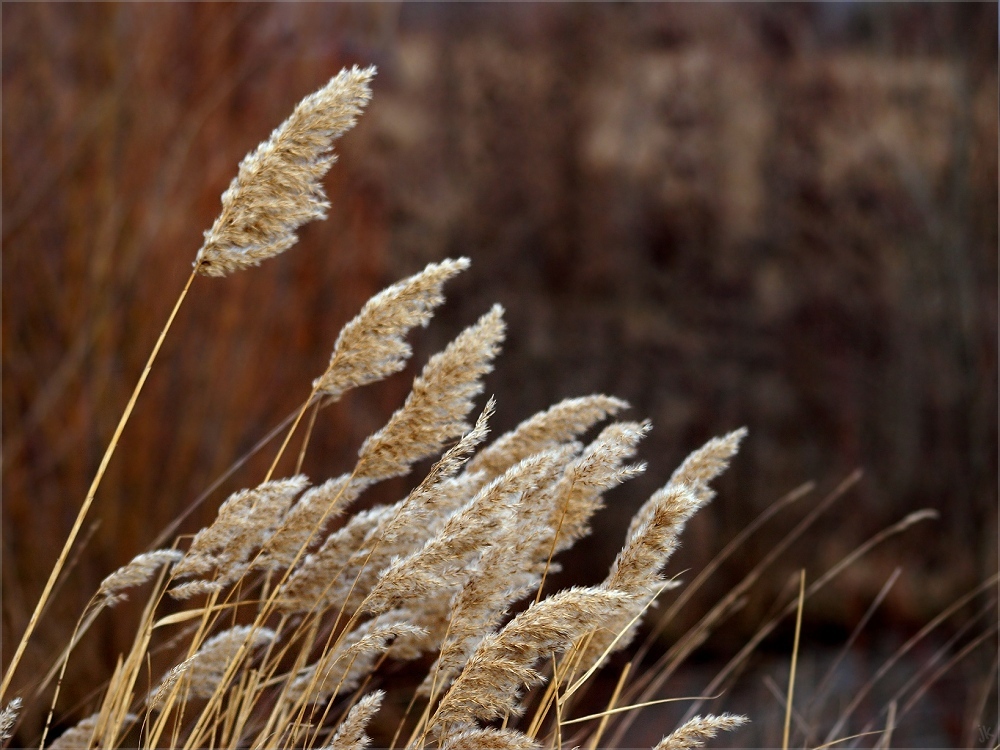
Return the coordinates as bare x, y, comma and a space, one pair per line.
783, 217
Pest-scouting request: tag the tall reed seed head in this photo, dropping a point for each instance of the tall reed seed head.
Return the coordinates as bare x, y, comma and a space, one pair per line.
278, 188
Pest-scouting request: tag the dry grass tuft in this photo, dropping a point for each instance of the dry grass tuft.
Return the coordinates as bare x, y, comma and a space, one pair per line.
291, 620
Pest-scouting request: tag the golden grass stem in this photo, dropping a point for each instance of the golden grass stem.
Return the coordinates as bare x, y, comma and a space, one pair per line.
610, 709
305, 440
89, 499
291, 431
636, 706
795, 658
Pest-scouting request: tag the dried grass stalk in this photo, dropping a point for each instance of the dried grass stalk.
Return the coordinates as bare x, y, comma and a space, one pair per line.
694, 732
441, 562
368, 541
436, 408
79, 737
305, 520
205, 670
342, 668
505, 572
697, 470
599, 468
278, 187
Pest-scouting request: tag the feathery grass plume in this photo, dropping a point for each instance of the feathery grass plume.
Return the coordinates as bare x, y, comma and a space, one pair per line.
157, 695
489, 739
489, 686
697, 470
654, 535
441, 561
278, 188
562, 422
694, 732
245, 521
7, 718
79, 736
504, 573
371, 346
637, 567
306, 519
205, 670
132, 574
599, 468
346, 564
436, 408
351, 732
342, 668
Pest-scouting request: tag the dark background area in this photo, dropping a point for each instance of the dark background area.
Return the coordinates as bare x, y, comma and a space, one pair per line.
778, 216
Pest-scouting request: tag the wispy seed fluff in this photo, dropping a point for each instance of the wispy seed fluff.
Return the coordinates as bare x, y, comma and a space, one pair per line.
135, 573
351, 732
278, 188
490, 685
371, 346
694, 732
245, 522
7, 718
206, 669
80, 736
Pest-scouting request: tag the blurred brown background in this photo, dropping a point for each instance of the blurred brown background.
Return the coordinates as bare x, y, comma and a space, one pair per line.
777, 216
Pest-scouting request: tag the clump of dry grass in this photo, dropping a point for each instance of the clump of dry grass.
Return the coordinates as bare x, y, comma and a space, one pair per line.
287, 624
285, 619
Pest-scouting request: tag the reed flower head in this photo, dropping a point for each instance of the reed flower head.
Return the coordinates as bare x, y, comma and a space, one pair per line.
694, 732
7, 718
278, 187
135, 573
371, 346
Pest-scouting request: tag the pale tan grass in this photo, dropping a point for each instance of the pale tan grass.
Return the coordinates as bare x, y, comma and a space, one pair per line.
350, 734
489, 739
694, 732
204, 672
468, 531
560, 423
244, 523
8, 717
437, 571
436, 408
489, 687
135, 573
371, 346
599, 468
278, 186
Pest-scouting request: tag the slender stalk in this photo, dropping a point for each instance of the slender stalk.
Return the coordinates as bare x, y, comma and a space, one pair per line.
291, 431
88, 501
795, 658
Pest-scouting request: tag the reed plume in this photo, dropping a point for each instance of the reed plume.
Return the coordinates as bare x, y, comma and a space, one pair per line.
135, 573
278, 186
7, 718
693, 733
350, 734
371, 346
